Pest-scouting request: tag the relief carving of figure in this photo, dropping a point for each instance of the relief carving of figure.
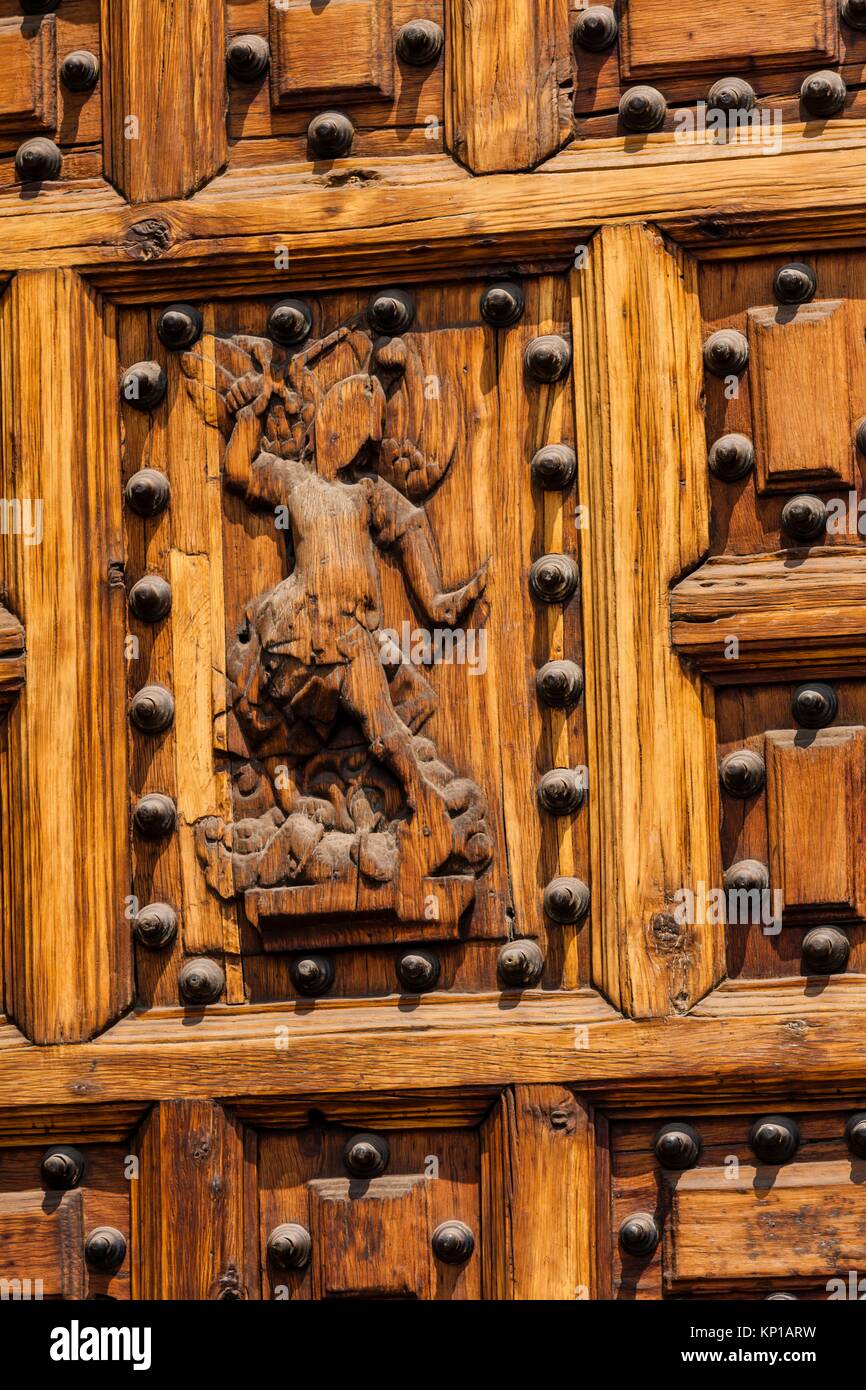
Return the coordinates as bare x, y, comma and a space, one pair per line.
340, 803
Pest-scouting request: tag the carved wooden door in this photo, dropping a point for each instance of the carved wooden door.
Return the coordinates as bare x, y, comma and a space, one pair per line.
433, 653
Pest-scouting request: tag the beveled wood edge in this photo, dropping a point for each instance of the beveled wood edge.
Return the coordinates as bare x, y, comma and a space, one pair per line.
728, 201
807, 1035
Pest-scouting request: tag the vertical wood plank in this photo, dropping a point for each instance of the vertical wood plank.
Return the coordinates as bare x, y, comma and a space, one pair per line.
503, 77
538, 1190
654, 811
164, 95
188, 1203
63, 764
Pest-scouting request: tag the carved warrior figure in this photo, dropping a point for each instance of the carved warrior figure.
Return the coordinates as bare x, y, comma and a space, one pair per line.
336, 787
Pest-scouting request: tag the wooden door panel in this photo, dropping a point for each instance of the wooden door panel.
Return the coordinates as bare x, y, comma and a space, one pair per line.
728, 1221
458, 420
659, 39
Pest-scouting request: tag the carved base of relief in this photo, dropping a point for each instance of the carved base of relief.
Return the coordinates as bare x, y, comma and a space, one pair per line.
434, 916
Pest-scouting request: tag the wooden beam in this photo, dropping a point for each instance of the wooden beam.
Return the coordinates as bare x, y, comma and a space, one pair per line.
504, 76
752, 617
63, 760
538, 1159
650, 727
163, 96
187, 1203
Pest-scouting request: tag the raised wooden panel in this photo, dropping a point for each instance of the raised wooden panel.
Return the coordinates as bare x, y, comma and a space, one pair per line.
342, 49
804, 1221
371, 1237
801, 398
816, 794
28, 77
39, 1250
659, 38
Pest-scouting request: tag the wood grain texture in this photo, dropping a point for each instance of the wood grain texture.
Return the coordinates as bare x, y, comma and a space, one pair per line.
164, 96
341, 50
649, 724
538, 1160
64, 855
658, 38
785, 610
12, 664
188, 1204
502, 82
28, 75
799, 358
800, 1221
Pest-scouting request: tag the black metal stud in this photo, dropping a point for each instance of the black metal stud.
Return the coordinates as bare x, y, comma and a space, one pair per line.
366, 1155
155, 816
420, 43
860, 436
731, 457
795, 283
561, 791
312, 975
248, 56
596, 28
391, 311
804, 517
151, 709
179, 326
62, 1167
502, 304
105, 1249
548, 358
155, 926
79, 71
37, 160
148, 492
144, 385
520, 964
452, 1242
639, 1234
726, 352
554, 467
418, 971
559, 684
825, 951
774, 1138
854, 13
566, 901
747, 876
289, 322
554, 578
780, 1298
642, 109
815, 705
677, 1146
201, 981
742, 773
330, 135
855, 1134
731, 94
823, 93
290, 1246
150, 598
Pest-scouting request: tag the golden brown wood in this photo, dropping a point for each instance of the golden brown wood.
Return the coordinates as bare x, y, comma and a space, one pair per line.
658, 38
340, 51
650, 731
798, 359
804, 1221
65, 872
28, 78
12, 665
164, 97
816, 785
502, 83
188, 1203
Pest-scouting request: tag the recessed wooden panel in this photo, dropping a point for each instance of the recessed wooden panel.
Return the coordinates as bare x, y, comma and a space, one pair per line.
340, 48
659, 38
28, 82
802, 1221
801, 406
374, 1243
816, 792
